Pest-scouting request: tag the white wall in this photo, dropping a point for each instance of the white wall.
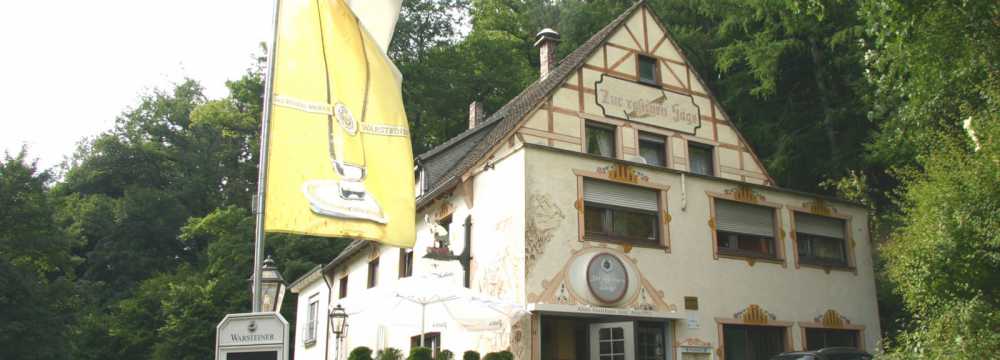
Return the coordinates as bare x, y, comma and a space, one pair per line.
723, 286
497, 250
315, 290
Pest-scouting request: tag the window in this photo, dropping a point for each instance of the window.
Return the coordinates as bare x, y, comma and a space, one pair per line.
817, 338
311, 318
432, 340
600, 139
418, 181
405, 263
820, 240
373, 273
647, 71
619, 212
701, 159
752, 342
653, 149
744, 229
343, 288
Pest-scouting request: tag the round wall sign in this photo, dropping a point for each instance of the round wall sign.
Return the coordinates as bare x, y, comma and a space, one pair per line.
607, 277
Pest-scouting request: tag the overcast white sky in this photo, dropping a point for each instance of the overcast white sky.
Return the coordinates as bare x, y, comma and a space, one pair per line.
69, 67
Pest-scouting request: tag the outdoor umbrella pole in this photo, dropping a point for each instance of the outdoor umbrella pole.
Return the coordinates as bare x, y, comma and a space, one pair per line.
423, 308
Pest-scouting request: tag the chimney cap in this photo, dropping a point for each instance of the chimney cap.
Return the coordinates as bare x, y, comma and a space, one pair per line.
546, 34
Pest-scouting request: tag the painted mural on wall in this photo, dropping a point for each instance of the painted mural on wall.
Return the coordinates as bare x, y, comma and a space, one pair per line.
571, 286
543, 217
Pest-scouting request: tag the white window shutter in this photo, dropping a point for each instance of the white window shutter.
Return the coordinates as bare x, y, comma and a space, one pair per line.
632, 197
819, 225
742, 218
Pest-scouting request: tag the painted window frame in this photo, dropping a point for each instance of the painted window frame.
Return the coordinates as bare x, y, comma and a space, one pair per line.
342, 287
786, 326
804, 325
373, 273
616, 144
664, 146
663, 215
312, 321
779, 234
849, 244
657, 80
713, 156
405, 263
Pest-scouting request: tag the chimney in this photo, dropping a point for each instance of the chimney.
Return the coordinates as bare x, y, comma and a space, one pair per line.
475, 113
546, 42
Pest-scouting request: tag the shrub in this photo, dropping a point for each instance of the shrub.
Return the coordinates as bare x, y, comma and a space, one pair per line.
389, 354
470, 355
445, 355
360, 353
492, 356
420, 353
505, 355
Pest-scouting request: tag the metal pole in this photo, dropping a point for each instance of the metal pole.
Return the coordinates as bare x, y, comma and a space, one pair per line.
265, 126
423, 309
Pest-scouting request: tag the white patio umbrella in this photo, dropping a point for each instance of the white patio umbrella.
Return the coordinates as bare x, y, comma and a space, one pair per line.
438, 295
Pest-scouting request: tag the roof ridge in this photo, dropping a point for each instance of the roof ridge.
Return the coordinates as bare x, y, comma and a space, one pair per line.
526, 100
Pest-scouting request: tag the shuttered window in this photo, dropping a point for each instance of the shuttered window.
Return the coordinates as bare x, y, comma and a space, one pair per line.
744, 229
742, 218
820, 240
608, 193
819, 225
621, 213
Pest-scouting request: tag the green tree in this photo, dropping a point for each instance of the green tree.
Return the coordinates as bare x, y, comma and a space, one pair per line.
791, 72
36, 293
944, 256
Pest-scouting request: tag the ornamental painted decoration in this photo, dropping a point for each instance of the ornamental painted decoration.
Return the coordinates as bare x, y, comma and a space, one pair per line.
745, 194
646, 104
832, 319
607, 278
622, 173
754, 314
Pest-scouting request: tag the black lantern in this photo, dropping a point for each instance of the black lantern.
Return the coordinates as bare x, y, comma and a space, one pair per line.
338, 319
272, 287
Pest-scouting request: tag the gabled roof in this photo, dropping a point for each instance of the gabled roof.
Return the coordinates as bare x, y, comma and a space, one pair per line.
444, 164
499, 124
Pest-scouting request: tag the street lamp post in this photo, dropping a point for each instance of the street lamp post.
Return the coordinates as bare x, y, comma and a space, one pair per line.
272, 287
338, 321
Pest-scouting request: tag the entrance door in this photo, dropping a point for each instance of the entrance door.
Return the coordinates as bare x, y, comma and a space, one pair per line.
612, 341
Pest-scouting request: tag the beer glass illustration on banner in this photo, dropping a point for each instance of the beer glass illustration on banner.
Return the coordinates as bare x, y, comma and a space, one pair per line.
346, 197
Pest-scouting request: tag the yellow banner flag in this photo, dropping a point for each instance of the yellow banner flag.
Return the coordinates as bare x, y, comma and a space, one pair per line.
339, 157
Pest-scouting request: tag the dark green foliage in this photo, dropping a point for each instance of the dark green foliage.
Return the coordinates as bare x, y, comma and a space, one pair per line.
36, 293
502, 355
470, 355
445, 355
360, 353
389, 354
420, 353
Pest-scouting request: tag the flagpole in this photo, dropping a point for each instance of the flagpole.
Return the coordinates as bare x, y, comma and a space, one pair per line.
265, 127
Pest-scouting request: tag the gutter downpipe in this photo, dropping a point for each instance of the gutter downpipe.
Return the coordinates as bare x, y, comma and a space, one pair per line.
329, 300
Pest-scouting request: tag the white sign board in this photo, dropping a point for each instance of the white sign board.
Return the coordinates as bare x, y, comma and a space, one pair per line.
252, 336
646, 104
